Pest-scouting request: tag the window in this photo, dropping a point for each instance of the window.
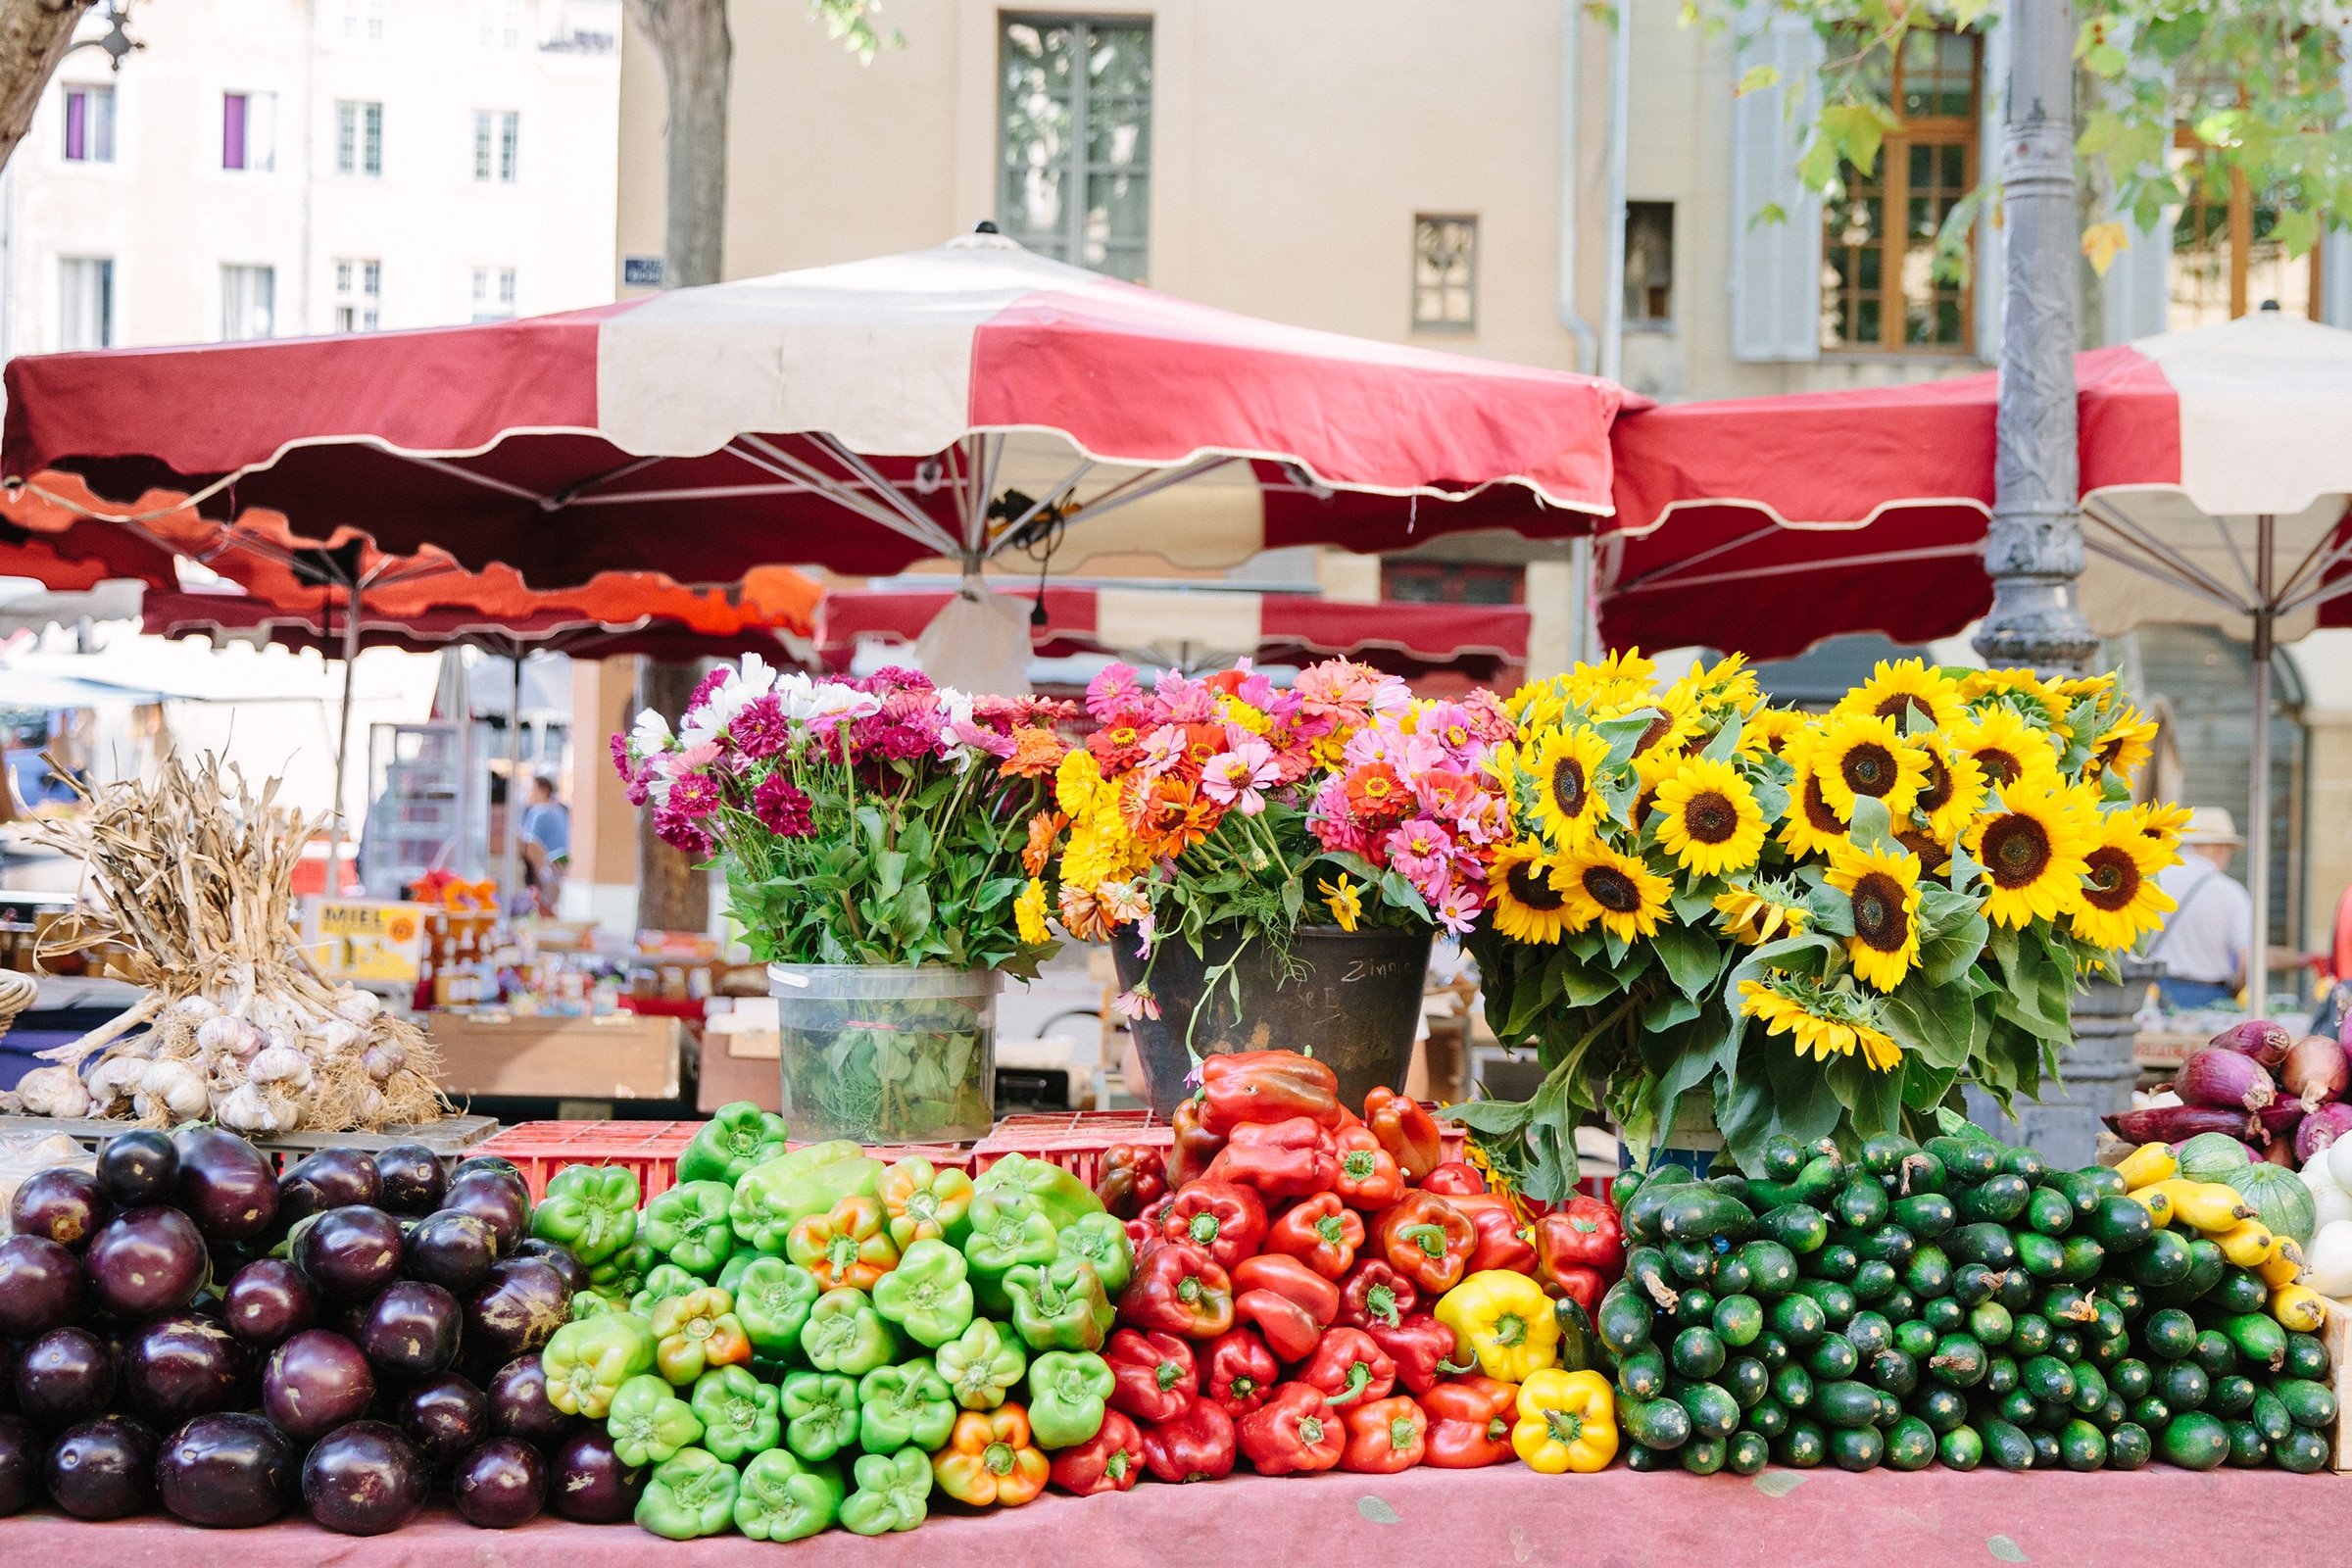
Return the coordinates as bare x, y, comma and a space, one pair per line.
493, 293
358, 293
497, 138
1649, 264
1879, 286
1445, 582
1075, 134
1445, 274
500, 22
2227, 254
248, 302
86, 302
359, 137
90, 125
363, 21
249, 131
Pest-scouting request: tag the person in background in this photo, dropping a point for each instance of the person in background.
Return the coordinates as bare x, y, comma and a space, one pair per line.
2205, 939
546, 842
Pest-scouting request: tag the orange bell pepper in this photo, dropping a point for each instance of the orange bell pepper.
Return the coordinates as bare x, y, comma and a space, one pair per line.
847, 1244
990, 1459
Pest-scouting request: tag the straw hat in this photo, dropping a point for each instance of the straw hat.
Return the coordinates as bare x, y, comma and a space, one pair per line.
2212, 824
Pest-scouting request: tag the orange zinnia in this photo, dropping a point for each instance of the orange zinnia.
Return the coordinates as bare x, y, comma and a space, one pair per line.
1166, 814
1036, 753
1117, 747
1376, 796
1043, 828
1201, 743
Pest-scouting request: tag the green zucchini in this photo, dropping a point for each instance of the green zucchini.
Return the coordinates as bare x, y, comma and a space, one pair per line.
1692, 1261
2104, 1179
2081, 1258
1698, 1353
2129, 1298
1702, 1457
2019, 1161
2128, 1446
1695, 1310
1802, 1446
1626, 1319
1748, 1379
2238, 1291
2049, 1211
1860, 1204
1960, 1449
1942, 1316
1772, 1350
1998, 1200
1890, 1369
2132, 1378
1930, 1272
1645, 1461
1959, 1361
2080, 1189
1642, 1374
1799, 1227
2000, 1374
1733, 1276
2194, 1441
1985, 1242
2081, 1447
2006, 1446
1941, 1408
1834, 1356
1746, 1453
2308, 1404
1890, 1244
1856, 1449
1836, 1261
2049, 1379
1836, 1300
1967, 1160
2170, 1333
1713, 1412
2041, 1256
1876, 1280
1771, 1267
2016, 1290
1900, 1305
2304, 1452
1869, 1334
2091, 1388
1645, 1268
1782, 1158
2259, 1338
2119, 1225
2269, 1414
2044, 1438
1792, 1387
1822, 1176
1883, 1153
1701, 1213
2184, 1387
1737, 1321
1770, 1417
2216, 1353
2248, 1447
1843, 1404
1656, 1423
1973, 1283
1624, 1188
1799, 1319
2306, 1356
2151, 1413
2110, 1414
1915, 1339
2020, 1408
1579, 1348
1927, 1215
1991, 1324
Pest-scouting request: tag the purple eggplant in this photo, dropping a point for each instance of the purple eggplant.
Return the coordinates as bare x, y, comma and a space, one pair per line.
365, 1478
557, 1257
139, 1169
225, 1184
450, 1249
586, 1482
40, 1287
412, 1183
64, 1205
500, 1485
103, 1469
180, 1367
349, 1253
146, 1261
444, 1416
522, 1304
345, 1176
314, 1383
491, 1166
21, 1456
495, 1199
267, 1302
66, 1376
230, 1472
412, 1329
518, 1406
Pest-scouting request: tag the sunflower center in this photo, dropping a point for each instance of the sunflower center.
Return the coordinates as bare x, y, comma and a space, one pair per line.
1999, 766
1652, 733
1711, 817
1569, 790
1869, 770
2016, 850
1939, 789
1531, 886
1893, 706
1878, 917
1817, 810
1612, 889
2114, 878
1933, 853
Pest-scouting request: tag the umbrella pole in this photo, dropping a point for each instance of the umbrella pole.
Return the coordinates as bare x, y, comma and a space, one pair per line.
2258, 800
512, 877
335, 824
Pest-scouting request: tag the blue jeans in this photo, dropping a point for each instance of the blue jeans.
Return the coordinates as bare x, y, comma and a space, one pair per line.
2187, 995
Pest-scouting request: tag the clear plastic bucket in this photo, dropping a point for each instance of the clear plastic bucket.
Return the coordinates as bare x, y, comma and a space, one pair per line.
886, 1054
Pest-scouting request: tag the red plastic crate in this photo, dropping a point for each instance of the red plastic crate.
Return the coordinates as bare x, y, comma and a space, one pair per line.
1077, 1140
648, 1149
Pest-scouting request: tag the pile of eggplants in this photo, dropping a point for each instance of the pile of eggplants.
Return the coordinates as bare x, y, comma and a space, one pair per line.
185, 1328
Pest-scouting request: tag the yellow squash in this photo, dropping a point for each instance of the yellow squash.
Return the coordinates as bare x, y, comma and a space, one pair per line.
2148, 1164
2299, 1307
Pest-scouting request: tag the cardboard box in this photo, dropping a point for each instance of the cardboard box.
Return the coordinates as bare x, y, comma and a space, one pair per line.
742, 1055
626, 1056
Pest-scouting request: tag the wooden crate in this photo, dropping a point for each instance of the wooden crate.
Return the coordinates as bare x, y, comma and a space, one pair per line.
2336, 1335
451, 1137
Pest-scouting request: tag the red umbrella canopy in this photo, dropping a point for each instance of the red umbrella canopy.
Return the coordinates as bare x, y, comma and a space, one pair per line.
961, 402
234, 614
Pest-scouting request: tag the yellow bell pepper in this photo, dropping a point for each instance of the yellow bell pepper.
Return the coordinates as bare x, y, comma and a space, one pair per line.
2156, 1200
2299, 1307
2148, 1164
1506, 1320
1567, 1422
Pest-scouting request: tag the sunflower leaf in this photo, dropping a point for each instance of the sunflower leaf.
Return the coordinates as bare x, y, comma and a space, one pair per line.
1873, 825
1693, 961
1726, 743
1933, 1021
1830, 912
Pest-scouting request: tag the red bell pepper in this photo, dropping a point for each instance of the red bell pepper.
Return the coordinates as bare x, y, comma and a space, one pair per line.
1133, 1176
1427, 1240
1225, 1219
1293, 1433
1409, 1133
1374, 1293
1290, 1330
1453, 1178
1349, 1365
1198, 1446
1178, 1289
1586, 1234
1470, 1420
1384, 1437
1281, 1158
1112, 1460
1156, 1377
1368, 1177
1288, 1277
1236, 1372
1503, 1243
1423, 1351
1320, 1232
1261, 1086
1195, 1146
1583, 1286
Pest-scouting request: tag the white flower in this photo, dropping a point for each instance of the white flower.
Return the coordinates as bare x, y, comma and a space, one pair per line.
737, 690
954, 725
651, 735
835, 697
796, 693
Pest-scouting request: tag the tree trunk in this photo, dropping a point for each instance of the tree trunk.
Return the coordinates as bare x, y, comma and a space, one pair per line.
674, 893
697, 59
35, 35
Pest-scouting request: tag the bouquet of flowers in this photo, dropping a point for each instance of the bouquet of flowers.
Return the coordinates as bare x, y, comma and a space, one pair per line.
1810, 923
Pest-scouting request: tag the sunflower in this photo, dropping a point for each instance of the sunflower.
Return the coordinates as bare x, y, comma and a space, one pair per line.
1728, 683
1955, 790
1614, 888
1622, 679
2010, 752
2163, 822
1907, 685
1981, 683
1768, 729
1564, 769
1862, 754
1812, 824
1709, 820
1674, 725
1820, 1024
2122, 745
1881, 890
2031, 851
1029, 914
1758, 914
2120, 896
1527, 889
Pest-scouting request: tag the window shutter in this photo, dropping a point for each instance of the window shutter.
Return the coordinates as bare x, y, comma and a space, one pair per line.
1776, 267
1992, 260
2335, 247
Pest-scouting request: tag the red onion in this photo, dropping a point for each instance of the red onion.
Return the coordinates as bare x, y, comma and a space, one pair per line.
2315, 1070
2278, 1119
2172, 1125
2264, 1039
2321, 1128
2224, 1079
2281, 1151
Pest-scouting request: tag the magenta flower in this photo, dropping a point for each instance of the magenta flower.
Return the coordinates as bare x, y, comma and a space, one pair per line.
761, 730
1423, 850
679, 831
1113, 691
709, 684
1238, 778
1458, 911
1186, 701
693, 794
782, 807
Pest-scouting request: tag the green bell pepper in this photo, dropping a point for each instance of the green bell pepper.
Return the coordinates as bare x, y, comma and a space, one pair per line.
820, 1413
1061, 1195
780, 1498
1066, 1394
927, 1295
688, 1225
662, 1282
647, 1424
738, 1136
845, 1334
773, 1197
690, 1495
585, 1363
698, 1331
590, 1210
923, 1201
1060, 1305
1102, 1241
909, 1403
1007, 1229
982, 1364
622, 1275
590, 1304
894, 1492
738, 1413
772, 1298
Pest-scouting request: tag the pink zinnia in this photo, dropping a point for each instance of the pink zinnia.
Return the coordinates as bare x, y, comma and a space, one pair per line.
1238, 777
1459, 910
1188, 701
1334, 825
1422, 849
680, 832
1139, 1002
695, 795
1112, 692
782, 807
761, 730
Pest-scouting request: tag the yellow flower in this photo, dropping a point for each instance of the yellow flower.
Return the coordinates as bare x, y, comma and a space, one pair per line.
1524, 884
1882, 889
1345, 899
1812, 824
2163, 822
1673, 724
1982, 683
1708, 818
2031, 851
1819, 1034
2120, 896
2122, 745
1077, 782
1565, 771
1729, 683
1767, 729
1234, 711
1029, 914
1907, 685
1757, 915
2011, 751
1862, 754
1623, 679
1614, 888
1954, 790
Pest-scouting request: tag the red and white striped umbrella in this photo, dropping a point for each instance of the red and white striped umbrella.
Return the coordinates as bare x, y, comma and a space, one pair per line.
959, 402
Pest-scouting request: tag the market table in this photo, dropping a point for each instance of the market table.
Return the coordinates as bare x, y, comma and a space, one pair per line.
1617, 1519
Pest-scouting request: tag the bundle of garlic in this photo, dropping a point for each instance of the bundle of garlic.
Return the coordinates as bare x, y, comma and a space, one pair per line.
188, 882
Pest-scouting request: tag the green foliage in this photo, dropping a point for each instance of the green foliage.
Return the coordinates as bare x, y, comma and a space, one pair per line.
849, 24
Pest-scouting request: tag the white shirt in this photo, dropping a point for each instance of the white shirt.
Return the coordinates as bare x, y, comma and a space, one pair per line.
2210, 935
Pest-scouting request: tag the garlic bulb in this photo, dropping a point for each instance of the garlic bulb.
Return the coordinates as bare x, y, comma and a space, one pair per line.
221, 1033
198, 1006
246, 1110
383, 1059
359, 1006
336, 1036
53, 1092
116, 1078
176, 1088
371, 1107
280, 1064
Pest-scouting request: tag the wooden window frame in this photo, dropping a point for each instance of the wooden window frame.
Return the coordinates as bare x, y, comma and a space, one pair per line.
2237, 231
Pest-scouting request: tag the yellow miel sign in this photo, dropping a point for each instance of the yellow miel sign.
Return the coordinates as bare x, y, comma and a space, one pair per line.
358, 939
